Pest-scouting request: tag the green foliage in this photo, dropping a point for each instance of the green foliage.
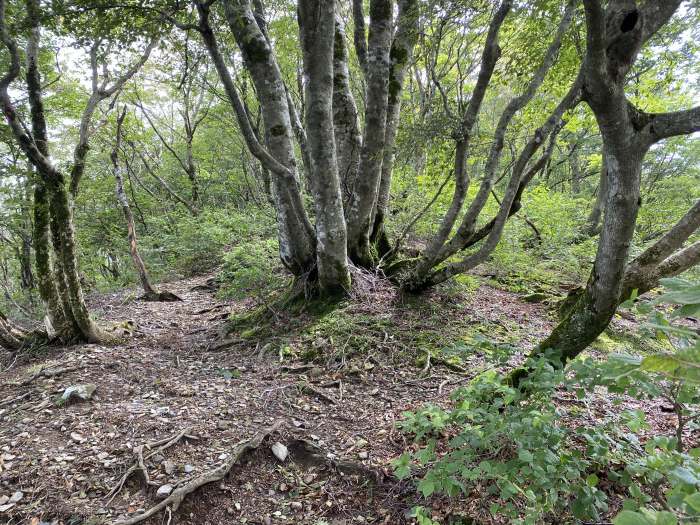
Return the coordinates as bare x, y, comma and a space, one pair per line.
515, 443
252, 269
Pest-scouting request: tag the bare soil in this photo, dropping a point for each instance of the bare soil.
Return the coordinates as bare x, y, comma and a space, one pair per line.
171, 376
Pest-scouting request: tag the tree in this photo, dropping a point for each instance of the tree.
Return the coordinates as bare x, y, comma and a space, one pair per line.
150, 293
59, 281
615, 35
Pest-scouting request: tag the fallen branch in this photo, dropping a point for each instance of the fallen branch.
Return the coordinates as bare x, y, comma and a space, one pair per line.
173, 502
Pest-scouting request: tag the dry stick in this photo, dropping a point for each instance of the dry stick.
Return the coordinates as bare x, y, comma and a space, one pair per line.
173, 502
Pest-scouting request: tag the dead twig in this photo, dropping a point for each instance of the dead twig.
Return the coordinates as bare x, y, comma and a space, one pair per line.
173, 502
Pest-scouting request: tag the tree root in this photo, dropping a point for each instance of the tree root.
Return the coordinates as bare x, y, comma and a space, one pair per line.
173, 502
306, 388
48, 372
140, 463
307, 454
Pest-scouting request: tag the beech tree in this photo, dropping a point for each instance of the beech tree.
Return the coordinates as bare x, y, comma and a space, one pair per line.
59, 284
614, 38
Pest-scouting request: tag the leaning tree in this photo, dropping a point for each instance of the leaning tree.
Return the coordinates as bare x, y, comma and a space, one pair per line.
615, 35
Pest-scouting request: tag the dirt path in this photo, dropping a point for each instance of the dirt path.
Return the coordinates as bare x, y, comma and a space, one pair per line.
65, 460
61, 463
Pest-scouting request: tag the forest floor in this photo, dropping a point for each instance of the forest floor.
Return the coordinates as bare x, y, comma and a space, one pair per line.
336, 381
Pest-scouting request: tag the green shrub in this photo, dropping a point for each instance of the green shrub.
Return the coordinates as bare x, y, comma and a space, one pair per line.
516, 444
251, 269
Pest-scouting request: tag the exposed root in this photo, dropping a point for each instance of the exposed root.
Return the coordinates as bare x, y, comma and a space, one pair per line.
306, 388
173, 502
309, 454
140, 462
48, 372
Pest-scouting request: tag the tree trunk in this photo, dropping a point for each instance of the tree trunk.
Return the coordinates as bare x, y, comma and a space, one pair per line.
592, 227
57, 320
614, 38
401, 55
12, 337
360, 212
317, 31
296, 235
123, 201
346, 124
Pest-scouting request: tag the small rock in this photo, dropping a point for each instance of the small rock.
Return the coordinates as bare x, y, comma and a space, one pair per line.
4, 499
78, 438
283, 487
16, 496
168, 467
81, 392
223, 425
296, 505
189, 469
102, 456
164, 491
280, 451
363, 455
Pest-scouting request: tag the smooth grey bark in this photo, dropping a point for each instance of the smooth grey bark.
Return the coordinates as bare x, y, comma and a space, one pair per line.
401, 55
360, 209
360, 34
592, 226
317, 34
665, 258
489, 57
346, 123
614, 38
297, 239
438, 251
516, 184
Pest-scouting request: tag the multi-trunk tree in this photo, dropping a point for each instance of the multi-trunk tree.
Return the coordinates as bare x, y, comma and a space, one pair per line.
349, 160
